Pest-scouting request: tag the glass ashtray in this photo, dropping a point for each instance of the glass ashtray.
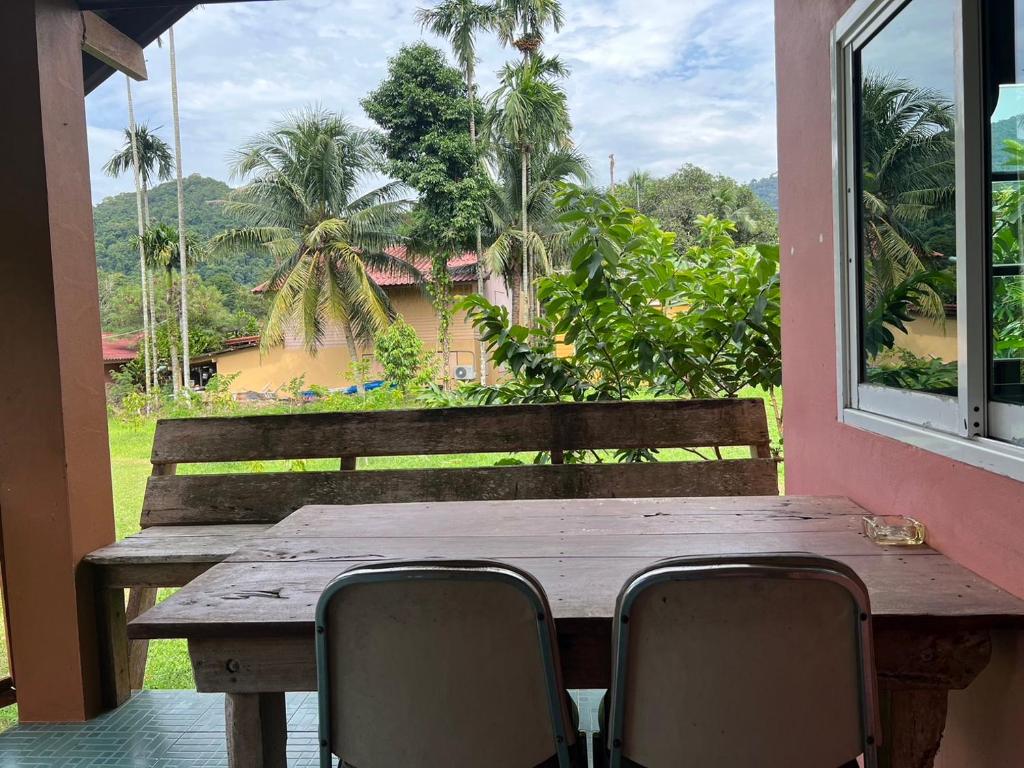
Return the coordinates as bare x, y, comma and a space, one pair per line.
894, 530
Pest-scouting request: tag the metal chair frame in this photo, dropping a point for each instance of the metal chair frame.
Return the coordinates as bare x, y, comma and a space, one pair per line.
458, 570
783, 565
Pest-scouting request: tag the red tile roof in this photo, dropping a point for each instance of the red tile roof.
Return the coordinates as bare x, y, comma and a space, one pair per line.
463, 269
118, 348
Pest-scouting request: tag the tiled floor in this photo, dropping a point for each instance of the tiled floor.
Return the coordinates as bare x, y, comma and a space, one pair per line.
173, 729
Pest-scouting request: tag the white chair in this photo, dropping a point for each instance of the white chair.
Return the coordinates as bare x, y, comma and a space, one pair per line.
439, 664
745, 661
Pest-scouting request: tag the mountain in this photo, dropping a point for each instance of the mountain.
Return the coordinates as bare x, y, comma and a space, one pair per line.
116, 222
767, 189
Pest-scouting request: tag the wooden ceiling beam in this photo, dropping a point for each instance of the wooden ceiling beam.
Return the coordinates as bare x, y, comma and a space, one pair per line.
105, 42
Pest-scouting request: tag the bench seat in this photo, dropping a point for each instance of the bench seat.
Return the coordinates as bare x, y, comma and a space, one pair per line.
170, 555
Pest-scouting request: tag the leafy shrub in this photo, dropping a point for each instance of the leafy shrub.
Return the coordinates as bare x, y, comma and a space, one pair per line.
399, 351
633, 317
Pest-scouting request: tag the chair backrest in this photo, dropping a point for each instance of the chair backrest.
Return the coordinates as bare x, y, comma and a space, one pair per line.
434, 664
269, 497
743, 660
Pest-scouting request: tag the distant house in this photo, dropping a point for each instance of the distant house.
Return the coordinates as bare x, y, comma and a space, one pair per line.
331, 366
118, 351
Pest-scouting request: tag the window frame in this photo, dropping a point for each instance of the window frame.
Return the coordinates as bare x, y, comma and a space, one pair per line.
967, 428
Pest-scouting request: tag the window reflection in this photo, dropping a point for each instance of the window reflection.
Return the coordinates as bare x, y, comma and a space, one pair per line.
907, 179
1006, 138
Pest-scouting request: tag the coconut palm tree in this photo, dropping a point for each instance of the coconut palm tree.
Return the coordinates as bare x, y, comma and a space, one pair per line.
182, 234
302, 205
154, 164
522, 23
161, 244
545, 242
908, 183
528, 112
458, 21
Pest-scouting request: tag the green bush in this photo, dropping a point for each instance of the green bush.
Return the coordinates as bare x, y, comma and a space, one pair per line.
399, 351
638, 318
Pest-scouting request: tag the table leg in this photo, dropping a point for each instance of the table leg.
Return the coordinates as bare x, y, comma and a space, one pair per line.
257, 730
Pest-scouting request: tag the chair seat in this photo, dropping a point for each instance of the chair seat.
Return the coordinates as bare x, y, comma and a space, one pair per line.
172, 555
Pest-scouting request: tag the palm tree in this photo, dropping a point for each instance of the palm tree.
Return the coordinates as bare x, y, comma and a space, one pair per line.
908, 182
182, 234
458, 21
521, 23
301, 205
545, 241
148, 364
638, 182
528, 112
161, 244
154, 164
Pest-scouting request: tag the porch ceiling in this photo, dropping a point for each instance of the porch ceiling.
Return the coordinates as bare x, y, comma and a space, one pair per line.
141, 20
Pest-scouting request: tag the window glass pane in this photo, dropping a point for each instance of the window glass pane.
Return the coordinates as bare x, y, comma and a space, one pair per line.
1005, 94
907, 175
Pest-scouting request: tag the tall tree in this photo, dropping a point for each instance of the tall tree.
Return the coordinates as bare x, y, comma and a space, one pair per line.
528, 112
547, 239
459, 21
149, 365
154, 163
186, 368
522, 23
301, 204
423, 107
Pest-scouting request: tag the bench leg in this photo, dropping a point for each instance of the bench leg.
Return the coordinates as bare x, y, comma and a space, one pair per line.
257, 730
113, 646
140, 600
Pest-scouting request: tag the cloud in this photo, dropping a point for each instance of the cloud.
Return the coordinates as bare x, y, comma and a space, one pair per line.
657, 83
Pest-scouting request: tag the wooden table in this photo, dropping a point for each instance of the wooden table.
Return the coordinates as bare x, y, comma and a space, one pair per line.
249, 620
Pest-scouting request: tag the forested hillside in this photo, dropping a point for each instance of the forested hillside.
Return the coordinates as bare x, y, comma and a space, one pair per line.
767, 189
116, 222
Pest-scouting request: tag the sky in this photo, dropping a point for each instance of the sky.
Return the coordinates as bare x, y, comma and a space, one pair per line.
659, 83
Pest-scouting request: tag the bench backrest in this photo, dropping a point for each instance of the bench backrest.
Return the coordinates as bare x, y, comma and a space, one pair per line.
268, 497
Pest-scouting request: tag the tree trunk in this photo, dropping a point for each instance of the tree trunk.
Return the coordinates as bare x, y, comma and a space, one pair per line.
142, 231
527, 316
154, 353
353, 355
516, 288
480, 287
172, 333
182, 247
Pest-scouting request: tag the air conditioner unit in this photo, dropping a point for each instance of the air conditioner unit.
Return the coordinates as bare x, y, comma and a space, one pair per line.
464, 373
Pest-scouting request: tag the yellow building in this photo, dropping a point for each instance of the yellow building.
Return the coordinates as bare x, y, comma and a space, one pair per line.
269, 372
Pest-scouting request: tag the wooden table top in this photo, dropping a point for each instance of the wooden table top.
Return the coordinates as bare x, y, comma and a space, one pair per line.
581, 550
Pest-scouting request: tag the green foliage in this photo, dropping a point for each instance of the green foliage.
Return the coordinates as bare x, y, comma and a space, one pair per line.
424, 109
217, 392
638, 317
894, 307
400, 353
907, 371
678, 199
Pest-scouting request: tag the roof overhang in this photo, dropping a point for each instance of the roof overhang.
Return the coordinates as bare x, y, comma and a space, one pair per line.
141, 20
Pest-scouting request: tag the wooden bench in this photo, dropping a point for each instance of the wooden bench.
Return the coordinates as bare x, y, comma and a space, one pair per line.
192, 521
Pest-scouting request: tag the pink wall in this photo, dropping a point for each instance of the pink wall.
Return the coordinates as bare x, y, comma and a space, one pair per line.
975, 516
972, 515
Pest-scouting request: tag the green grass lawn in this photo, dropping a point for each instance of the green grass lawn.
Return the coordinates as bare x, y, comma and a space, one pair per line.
130, 446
